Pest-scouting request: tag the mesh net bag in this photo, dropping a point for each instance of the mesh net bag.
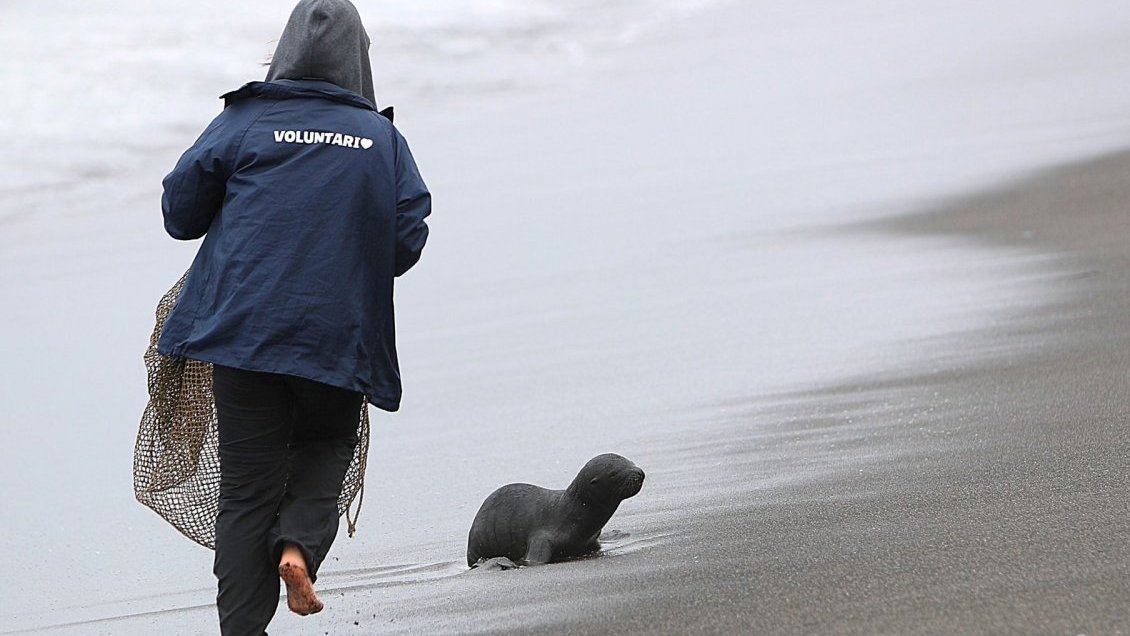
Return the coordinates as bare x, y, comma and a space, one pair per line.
176, 461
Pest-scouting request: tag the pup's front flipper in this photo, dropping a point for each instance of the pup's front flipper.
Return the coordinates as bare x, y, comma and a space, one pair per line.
540, 550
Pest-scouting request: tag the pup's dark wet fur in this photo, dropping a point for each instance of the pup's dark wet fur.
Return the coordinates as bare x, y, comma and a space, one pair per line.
532, 525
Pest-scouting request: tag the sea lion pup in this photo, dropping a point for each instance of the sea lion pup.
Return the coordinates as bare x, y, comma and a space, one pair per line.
533, 525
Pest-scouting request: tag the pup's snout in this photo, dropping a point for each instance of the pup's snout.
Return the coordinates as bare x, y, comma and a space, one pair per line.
633, 481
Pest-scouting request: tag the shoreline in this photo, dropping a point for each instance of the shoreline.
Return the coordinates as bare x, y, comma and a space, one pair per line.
982, 495
985, 496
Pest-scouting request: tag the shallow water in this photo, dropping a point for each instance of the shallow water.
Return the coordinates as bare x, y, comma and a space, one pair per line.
633, 204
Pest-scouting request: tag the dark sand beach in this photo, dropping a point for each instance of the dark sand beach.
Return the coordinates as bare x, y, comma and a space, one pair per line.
985, 494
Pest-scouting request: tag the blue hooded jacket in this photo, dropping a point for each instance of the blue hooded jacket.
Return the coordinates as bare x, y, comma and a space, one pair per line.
309, 203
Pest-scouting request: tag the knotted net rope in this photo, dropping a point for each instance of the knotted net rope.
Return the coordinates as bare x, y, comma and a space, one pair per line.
176, 461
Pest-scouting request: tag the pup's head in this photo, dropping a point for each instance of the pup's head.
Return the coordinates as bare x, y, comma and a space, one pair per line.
608, 478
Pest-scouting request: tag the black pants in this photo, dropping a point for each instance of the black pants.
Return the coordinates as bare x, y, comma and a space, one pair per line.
285, 444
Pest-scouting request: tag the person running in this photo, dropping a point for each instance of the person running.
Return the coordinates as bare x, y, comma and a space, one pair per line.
310, 204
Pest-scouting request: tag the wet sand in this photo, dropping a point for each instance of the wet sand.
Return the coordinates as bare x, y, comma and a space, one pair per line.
985, 494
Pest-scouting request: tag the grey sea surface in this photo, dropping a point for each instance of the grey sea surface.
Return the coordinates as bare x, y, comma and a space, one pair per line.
638, 246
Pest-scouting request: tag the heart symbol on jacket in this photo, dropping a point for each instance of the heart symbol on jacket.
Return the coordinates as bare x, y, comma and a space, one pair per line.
366, 143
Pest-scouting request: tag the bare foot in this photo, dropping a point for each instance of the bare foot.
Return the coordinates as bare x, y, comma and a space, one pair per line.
300, 596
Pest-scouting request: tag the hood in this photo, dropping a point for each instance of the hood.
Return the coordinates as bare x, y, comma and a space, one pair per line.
325, 40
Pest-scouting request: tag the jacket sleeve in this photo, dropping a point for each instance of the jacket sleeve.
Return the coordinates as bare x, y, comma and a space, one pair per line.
194, 190
413, 205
